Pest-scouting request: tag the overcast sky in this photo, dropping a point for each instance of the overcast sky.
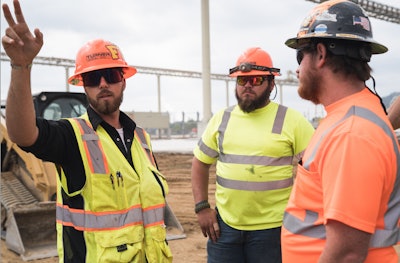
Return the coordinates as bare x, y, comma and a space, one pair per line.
167, 34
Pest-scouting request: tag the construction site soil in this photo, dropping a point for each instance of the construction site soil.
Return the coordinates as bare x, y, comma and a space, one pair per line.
176, 168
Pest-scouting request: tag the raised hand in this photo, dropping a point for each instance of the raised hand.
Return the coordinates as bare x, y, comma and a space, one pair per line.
18, 42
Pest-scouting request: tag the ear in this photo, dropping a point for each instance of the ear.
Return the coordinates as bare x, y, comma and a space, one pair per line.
123, 84
321, 54
272, 84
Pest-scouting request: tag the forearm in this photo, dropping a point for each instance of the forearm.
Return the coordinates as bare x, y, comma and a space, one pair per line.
394, 114
344, 244
200, 178
20, 113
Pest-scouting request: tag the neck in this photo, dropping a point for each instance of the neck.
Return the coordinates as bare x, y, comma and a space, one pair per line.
339, 88
111, 118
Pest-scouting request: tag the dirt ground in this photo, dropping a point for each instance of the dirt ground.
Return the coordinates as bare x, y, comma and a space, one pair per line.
176, 168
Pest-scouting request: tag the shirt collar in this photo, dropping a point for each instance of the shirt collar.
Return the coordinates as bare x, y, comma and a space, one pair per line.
96, 120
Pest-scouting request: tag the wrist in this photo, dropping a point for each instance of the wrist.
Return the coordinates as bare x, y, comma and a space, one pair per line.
201, 205
19, 66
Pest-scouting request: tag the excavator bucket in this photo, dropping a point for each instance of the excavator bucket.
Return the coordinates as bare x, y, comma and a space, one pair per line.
31, 230
174, 228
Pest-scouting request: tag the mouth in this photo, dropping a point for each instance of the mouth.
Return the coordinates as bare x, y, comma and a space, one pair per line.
248, 93
104, 95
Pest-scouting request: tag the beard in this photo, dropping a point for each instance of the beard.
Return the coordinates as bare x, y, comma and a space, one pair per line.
106, 107
309, 86
248, 105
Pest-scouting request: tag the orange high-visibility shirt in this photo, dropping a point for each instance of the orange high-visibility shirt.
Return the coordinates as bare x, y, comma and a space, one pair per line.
348, 174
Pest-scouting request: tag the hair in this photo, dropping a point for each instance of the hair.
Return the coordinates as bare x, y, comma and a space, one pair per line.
270, 78
349, 66
347, 57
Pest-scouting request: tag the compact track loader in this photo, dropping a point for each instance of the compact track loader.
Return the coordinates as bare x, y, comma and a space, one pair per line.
28, 186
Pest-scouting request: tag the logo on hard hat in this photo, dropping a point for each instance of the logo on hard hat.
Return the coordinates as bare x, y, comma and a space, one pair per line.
114, 50
112, 54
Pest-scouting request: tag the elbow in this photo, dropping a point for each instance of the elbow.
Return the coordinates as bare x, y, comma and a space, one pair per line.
24, 139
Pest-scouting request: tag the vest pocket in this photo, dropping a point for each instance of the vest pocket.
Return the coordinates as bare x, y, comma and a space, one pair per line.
123, 245
156, 247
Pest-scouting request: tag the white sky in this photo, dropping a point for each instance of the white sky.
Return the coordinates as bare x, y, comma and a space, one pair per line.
167, 34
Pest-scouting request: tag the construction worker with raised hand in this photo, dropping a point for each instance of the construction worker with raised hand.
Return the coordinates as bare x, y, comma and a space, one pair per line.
110, 196
345, 203
254, 145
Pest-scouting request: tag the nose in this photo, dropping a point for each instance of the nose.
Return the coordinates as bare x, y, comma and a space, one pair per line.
103, 83
248, 83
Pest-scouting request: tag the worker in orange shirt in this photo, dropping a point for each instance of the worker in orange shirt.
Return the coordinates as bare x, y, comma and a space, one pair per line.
345, 203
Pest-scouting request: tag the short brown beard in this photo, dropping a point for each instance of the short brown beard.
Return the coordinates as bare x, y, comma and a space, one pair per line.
107, 107
249, 105
309, 86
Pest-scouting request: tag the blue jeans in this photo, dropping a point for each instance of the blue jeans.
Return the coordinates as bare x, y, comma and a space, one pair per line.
237, 246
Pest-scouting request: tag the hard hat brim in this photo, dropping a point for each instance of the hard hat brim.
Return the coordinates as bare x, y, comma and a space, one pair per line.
376, 48
76, 79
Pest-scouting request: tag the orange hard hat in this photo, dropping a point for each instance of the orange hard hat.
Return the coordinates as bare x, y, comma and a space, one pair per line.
254, 61
99, 54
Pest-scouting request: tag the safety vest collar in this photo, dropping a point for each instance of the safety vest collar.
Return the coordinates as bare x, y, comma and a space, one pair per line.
247, 159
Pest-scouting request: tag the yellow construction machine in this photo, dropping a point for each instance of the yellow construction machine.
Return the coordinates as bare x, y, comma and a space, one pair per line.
28, 185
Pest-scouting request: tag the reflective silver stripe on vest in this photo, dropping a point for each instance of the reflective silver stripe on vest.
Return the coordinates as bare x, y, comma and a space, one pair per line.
306, 227
92, 143
250, 159
256, 160
145, 146
381, 238
142, 138
254, 186
99, 221
280, 117
152, 216
207, 150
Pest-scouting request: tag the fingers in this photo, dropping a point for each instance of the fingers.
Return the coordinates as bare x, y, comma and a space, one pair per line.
208, 223
12, 37
38, 36
18, 12
214, 232
216, 229
7, 15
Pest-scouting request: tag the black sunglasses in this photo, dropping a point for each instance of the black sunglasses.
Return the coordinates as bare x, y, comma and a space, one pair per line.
300, 52
111, 75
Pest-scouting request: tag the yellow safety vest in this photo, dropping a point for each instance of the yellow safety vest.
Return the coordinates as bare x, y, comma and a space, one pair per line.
123, 215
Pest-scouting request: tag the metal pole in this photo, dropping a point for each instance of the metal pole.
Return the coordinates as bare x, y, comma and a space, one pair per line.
66, 79
227, 93
159, 99
206, 61
159, 92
